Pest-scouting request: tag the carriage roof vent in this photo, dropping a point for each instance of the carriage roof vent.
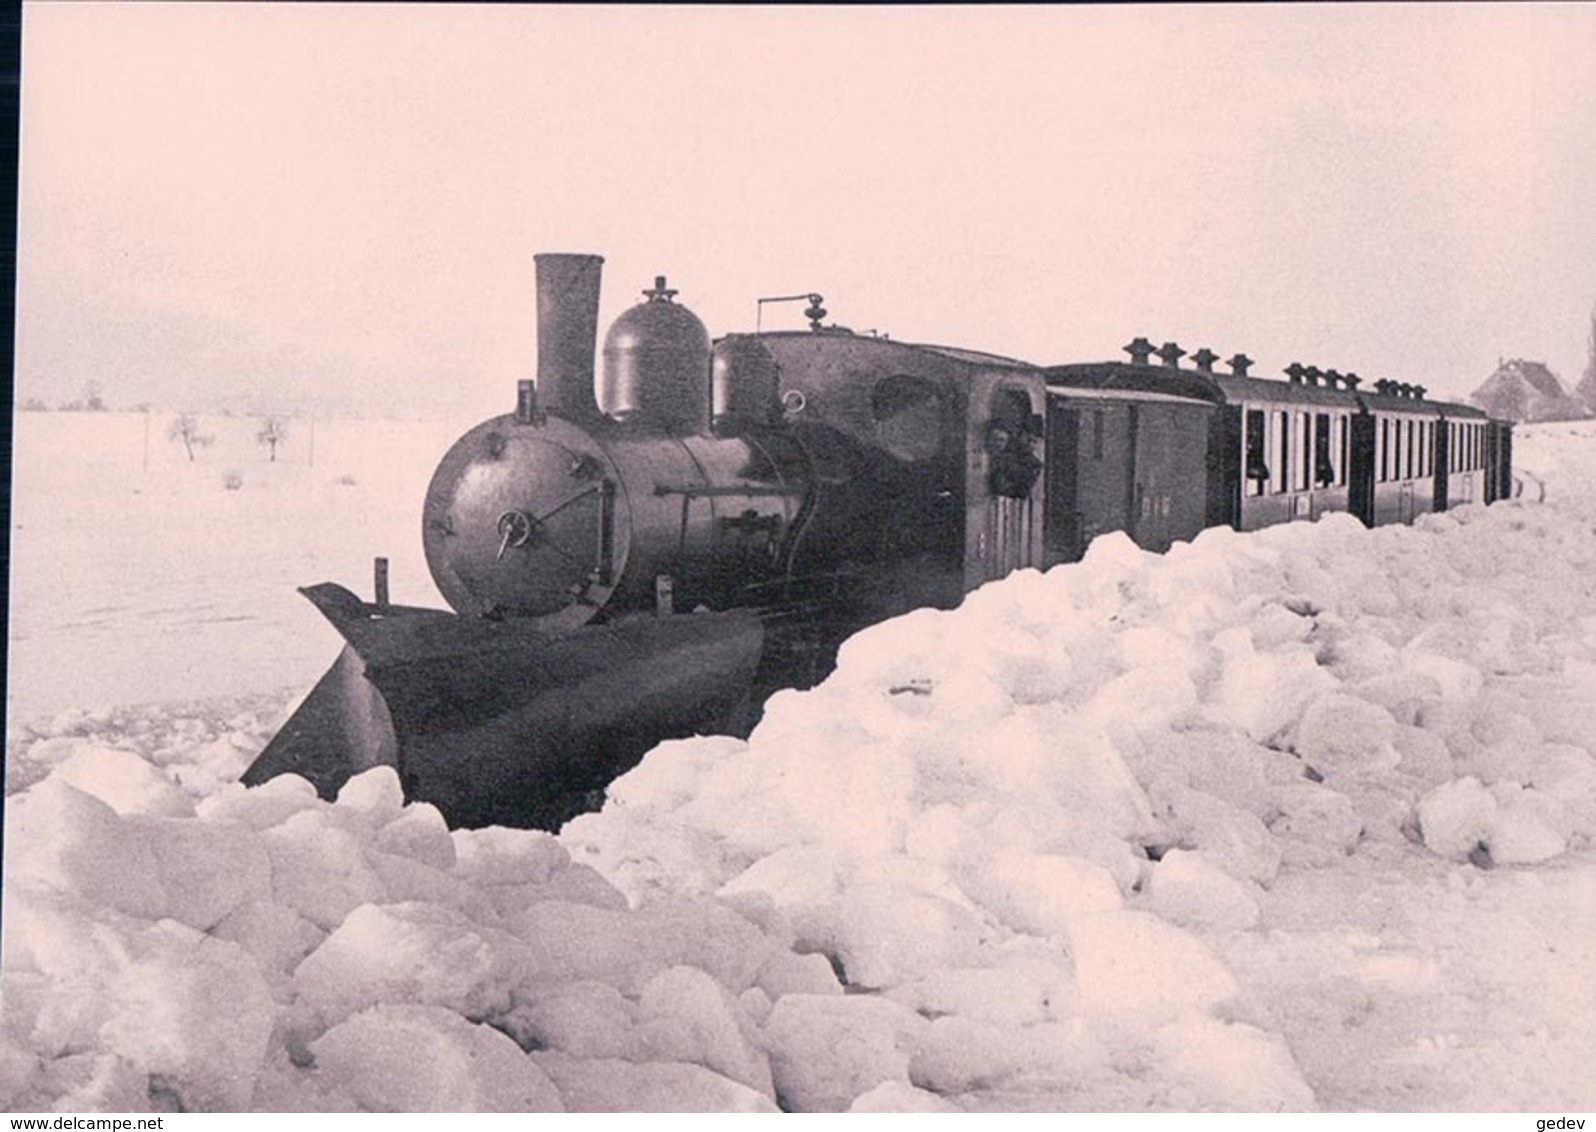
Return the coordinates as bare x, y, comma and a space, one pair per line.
1332, 378
1294, 373
1418, 392
1238, 365
1204, 360
1351, 380
1171, 353
1311, 375
1140, 349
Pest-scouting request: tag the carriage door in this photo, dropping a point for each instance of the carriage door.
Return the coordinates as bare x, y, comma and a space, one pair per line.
1089, 481
1442, 463
1061, 537
1405, 506
1171, 446
1361, 480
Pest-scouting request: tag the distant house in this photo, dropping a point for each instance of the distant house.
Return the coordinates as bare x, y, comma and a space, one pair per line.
1521, 390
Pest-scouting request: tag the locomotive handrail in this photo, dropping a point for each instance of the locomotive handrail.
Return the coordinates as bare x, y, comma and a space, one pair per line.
694, 491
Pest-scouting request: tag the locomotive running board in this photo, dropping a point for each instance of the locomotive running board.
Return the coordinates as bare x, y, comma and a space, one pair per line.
496, 723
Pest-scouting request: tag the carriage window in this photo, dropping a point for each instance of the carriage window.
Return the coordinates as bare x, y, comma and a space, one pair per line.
1412, 453
1324, 466
1282, 468
1257, 466
1384, 442
1302, 473
1097, 434
908, 415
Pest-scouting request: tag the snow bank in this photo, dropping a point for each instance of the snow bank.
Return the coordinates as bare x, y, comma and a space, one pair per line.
1111, 764
1143, 832
274, 950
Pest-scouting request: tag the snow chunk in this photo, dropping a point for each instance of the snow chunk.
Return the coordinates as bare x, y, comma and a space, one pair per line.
497, 855
1134, 963
896, 1096
261, 807
825, 1052
1231, 837
887, 933
788, 973
1039, 893
59, 836
420, 833
195, 1013
621, 1086
584, 1018
275, 935
684, 1015
1318, 825
375, 793
1022, 988
1264, 692
419, 953
409, 1058
1233, 1066
1189, 890
568, 941
1456, 818
319, 869
207, 869
1343, 735
960, 1054
125, 782
1530, 826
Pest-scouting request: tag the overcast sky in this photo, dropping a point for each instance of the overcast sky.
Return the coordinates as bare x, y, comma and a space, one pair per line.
300, 208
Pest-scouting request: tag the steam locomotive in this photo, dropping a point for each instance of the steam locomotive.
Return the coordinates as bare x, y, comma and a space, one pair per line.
650, 550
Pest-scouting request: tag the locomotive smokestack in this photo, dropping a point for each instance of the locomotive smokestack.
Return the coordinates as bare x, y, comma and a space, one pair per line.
568, 303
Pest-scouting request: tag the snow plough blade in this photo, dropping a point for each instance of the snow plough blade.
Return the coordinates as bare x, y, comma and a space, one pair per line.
496, 723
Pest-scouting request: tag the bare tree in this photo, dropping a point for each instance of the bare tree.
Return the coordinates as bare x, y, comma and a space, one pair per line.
272, 433
186, 428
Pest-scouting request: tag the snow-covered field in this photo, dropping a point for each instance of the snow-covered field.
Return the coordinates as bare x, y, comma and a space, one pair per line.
1281, 821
